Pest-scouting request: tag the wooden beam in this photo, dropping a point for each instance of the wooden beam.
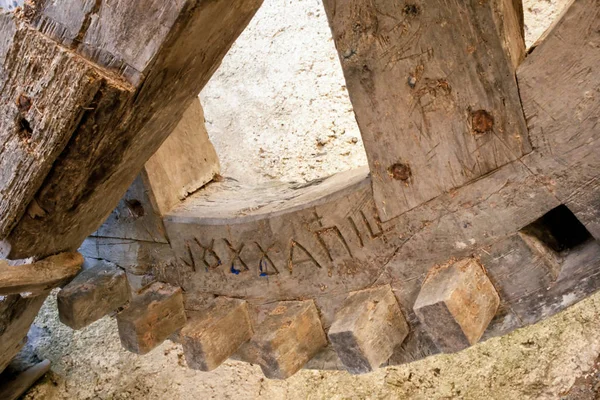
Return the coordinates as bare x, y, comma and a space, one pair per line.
108, 149
16, 316
40, 276
94, 293
14, 389
433, 91
562, 106
184, 163
46, 94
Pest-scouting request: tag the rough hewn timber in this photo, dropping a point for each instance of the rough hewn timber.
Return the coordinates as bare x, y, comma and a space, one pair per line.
94, 293
456, 304
367, 329
94, 171
151, 317
289, 336
213, 334
16, 315
14, 389
46, 95
40, 276
184, 163
433, 91
562, 107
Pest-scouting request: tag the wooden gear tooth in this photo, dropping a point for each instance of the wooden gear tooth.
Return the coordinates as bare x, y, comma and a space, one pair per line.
213, 334
151, 317
367, 328
290, 335
456, 303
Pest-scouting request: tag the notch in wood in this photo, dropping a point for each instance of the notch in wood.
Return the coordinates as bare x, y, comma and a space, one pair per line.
216, 333
456, 304
290, 335
367, 328
94, 293
151, 318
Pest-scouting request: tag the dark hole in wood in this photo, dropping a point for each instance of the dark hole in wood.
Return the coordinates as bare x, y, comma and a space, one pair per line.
25, 131
411, 10
559, 229
136, 208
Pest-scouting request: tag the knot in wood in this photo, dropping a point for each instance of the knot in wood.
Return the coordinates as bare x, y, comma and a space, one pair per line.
400, 172
482, 121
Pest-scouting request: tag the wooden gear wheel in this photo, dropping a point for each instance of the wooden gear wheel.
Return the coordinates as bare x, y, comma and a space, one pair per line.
479, 212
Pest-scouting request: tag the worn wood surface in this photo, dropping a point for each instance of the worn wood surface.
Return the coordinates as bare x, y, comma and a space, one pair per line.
14, 389
135, 217
433, 91
46, 93
95, 170
184, 163
213, 334
94, 293
40, 276
456, 304
151, 317
560, 88
16, 315
289, 336
367, 329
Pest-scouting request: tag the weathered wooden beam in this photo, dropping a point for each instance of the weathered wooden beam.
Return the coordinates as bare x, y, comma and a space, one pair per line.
367, 328
289, 336
562, 107
46, 94
94, 293
433, 91
151, 317
14, 389
39, 276
456, 304
184, 163
16, 315
215, 333
108, 149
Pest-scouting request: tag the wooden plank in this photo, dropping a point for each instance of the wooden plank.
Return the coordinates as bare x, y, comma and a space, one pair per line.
40, 276
456, 304
151, 317
95, 170
214, 333
16, 315
184, 163
367, 329
434, 94
46, 93
94, 293
562, 106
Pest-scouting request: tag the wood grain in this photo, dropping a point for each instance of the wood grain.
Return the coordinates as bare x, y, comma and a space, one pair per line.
433, 91
40, 276
95, 170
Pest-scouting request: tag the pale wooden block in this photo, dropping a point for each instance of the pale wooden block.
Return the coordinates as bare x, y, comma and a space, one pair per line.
456, 303
94, 293
290, 335
216, 333
367, 328
151, 318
